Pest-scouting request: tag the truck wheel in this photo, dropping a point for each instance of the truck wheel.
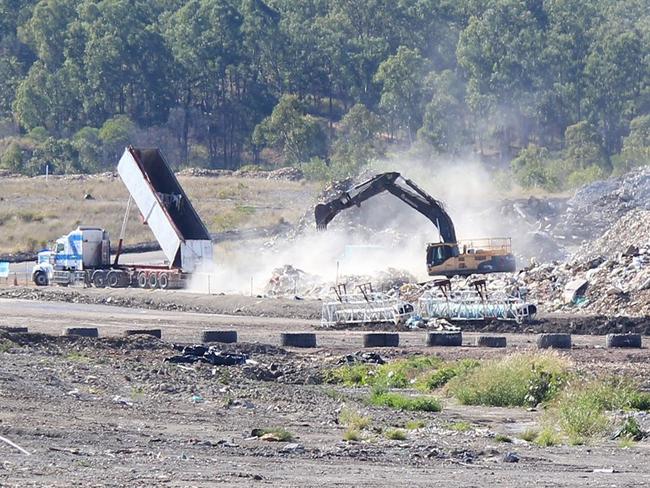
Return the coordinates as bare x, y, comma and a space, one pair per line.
142, 279
153, 280
40, 278
163, 281
113, 279
99, 279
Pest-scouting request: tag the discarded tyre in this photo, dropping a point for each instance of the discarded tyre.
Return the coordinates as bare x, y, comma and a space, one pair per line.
381, 339
298, 339
623, 340
226, 336
491, 341
81, 331
151, 332
447, 339
14, 330
554, 341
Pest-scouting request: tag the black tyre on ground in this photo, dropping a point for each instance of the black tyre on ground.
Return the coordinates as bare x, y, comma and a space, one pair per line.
491, 341
445, 339
381, 339
14, 330
554, 341
152, 332
298, 339
81, 331
225, 336
99, 279
624, 340
40, 278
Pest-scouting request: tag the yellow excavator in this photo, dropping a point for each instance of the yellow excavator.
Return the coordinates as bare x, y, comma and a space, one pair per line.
449, 257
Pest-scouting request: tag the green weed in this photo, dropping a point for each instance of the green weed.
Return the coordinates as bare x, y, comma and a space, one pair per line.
415, 424
502, 438
395, 434
353, 419
461, 426
399, 401
547, 437
351, 435
511, 381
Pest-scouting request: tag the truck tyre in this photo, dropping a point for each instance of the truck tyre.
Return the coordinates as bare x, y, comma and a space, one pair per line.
298, 339
381, 339
114, 279
40, 278
153, 280
623, 340
163, 281
554, 341
445, 339
99, 279
142, 279
491, 341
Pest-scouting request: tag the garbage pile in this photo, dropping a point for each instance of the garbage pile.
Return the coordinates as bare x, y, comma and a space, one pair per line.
290, 281
288, 173
610, 276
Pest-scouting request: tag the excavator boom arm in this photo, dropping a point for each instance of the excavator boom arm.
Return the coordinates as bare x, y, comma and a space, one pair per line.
402, 188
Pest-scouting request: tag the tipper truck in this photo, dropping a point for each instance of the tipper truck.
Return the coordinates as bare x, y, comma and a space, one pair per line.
83, 257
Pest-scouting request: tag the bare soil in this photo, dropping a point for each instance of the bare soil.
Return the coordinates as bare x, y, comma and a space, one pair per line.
112, 412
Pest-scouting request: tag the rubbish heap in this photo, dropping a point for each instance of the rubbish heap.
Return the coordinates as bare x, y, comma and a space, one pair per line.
610, 276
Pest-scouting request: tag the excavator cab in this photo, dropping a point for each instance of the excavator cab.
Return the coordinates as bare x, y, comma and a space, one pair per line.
475, 257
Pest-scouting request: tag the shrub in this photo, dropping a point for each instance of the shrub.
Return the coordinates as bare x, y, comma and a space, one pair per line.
399, 401
509, 380
581, 409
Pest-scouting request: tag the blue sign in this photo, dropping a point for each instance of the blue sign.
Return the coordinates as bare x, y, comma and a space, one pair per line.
4, 269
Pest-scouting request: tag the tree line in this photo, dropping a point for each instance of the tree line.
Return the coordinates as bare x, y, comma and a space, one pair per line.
553, 92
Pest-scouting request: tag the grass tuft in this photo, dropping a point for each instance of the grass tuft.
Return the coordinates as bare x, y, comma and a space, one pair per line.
400, 401
547, 437
461, 426
515, 380
415, 424
353, 419
529, 435
502, 438
395, 434
352, 435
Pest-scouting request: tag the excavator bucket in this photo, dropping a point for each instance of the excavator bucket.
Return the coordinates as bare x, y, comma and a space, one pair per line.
324, 215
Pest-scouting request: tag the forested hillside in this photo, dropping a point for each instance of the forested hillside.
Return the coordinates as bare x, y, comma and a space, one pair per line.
556, 92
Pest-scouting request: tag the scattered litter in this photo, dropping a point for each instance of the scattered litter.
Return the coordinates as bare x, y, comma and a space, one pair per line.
207, 354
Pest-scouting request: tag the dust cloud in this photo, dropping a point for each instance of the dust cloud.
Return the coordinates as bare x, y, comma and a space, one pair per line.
382, 233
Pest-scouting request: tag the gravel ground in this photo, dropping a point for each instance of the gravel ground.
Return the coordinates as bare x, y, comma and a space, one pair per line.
112, 412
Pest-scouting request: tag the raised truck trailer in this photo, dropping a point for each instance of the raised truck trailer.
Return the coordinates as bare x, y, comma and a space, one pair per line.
83, 257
